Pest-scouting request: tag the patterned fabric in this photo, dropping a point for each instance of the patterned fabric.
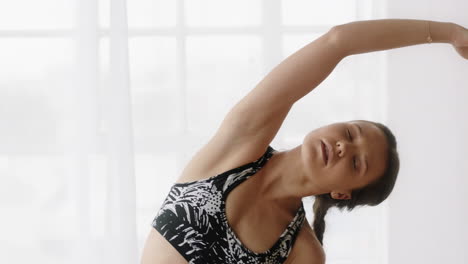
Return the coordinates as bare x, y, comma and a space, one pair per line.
193, 220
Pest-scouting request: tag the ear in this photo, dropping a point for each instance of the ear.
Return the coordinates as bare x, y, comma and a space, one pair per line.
341, 195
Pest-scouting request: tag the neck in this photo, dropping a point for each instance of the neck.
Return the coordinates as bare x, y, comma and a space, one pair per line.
285, 181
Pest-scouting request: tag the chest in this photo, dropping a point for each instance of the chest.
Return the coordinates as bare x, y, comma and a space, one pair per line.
257, 224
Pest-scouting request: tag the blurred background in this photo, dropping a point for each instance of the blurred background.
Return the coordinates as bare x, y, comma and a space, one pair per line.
103, 102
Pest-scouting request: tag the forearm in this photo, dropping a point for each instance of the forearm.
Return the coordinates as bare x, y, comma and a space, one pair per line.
383, 34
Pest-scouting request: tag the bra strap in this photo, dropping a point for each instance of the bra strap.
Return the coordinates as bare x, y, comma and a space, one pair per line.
238, 175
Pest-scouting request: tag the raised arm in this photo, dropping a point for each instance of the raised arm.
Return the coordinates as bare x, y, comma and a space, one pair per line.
265, 107
258, 116
254, 121
375, 35
261, 112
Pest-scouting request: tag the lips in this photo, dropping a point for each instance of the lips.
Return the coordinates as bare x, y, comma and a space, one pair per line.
324, 152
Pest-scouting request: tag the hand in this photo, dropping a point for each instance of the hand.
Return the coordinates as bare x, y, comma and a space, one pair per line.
460, 41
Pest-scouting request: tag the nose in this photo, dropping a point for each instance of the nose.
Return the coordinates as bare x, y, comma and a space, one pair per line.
343, 147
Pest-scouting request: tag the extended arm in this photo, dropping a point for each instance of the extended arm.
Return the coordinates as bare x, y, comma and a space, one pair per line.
265, 107
254, 121
375, 35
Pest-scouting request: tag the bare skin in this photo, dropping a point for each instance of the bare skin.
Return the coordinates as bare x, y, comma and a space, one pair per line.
250, 226
259, 209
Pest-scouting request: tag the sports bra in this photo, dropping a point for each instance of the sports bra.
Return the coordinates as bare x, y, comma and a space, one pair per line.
193, 220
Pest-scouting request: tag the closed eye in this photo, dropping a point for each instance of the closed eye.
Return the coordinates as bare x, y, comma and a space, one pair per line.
349, 134
354, 158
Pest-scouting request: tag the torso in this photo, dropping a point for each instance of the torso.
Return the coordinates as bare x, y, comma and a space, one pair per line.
245, 213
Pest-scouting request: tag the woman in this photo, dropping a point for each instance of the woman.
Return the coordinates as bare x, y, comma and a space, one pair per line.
239, 201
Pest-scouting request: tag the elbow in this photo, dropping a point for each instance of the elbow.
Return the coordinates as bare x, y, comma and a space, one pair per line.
334, 36
333, 33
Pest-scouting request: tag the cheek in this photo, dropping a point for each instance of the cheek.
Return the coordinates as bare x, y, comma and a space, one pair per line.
310, 148
308, 139
342, 177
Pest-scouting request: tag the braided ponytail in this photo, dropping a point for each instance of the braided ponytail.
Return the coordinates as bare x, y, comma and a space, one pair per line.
320, 207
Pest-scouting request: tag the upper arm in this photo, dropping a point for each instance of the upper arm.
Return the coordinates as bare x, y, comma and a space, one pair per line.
259, 115
251, 125
307, 249
309, 256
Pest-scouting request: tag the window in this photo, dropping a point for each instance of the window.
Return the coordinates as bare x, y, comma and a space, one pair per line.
189, 63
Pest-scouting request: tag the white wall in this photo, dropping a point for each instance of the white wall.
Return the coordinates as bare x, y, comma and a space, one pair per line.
427, 110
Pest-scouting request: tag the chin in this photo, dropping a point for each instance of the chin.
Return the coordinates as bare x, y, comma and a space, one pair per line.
310, 156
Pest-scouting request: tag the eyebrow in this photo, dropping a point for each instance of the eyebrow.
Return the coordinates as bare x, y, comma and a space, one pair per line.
365, 157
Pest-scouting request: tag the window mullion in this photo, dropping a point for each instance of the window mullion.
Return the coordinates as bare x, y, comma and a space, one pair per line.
272, 44
181, 80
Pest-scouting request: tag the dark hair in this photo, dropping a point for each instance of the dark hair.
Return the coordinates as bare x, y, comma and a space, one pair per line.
372, 194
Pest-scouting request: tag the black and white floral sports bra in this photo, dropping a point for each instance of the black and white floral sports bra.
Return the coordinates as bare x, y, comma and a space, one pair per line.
193, 220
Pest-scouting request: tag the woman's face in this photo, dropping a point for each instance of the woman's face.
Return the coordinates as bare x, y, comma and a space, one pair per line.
355, 145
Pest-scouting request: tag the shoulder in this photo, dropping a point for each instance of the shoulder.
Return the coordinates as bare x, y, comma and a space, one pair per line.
307, 249
222, 152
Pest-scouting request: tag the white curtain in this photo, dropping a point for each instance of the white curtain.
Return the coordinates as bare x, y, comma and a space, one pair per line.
113, 146
70, 195
104, 102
